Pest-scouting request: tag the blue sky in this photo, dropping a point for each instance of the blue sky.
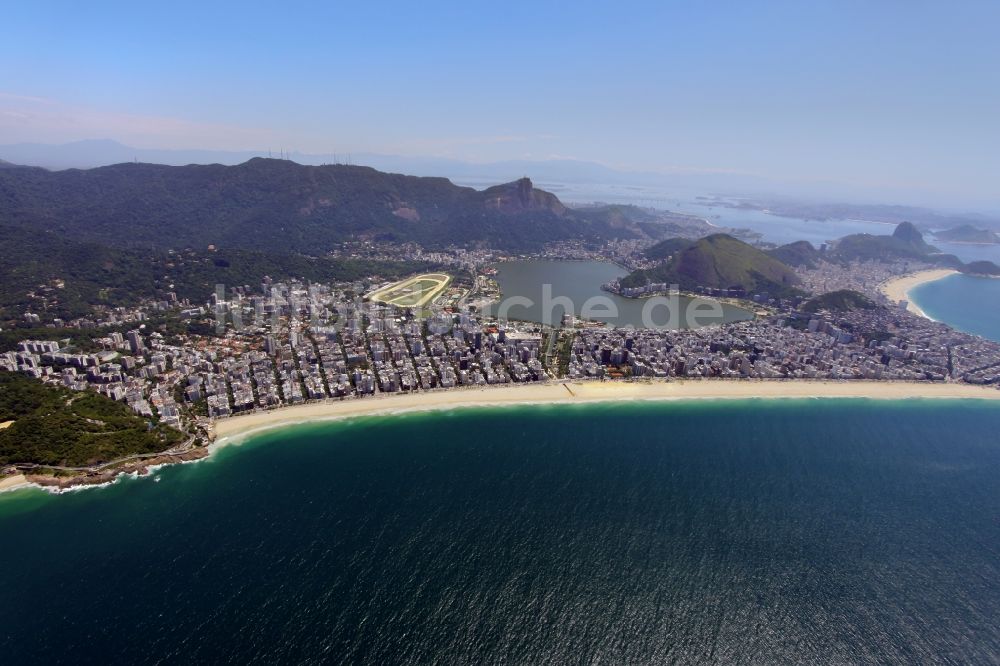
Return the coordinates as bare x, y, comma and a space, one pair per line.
894, 94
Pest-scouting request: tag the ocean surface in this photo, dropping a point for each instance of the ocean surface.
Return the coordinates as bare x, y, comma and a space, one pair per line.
712, 532
968, 251
965, 302
780, 229
575, 287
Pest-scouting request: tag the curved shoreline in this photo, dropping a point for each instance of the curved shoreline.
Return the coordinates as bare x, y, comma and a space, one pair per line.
899, 289
15, 482
580, 392
236, 428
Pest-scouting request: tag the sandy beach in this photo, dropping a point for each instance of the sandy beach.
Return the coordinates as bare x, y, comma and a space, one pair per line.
233, 429
13, 482
570, 392
899, 289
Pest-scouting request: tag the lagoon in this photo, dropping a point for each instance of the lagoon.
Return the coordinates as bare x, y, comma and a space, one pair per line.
580, 282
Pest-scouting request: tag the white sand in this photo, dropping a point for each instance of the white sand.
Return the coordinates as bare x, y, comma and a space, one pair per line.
899, 289
582, 392
568, 392
13, 482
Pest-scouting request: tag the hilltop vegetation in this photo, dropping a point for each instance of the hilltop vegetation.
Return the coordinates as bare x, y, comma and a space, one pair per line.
719, 262
844, 300
56, 426
798, 254
668, 248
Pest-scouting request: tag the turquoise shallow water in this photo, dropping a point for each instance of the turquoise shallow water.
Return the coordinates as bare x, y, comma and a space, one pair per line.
720, 532
970, 304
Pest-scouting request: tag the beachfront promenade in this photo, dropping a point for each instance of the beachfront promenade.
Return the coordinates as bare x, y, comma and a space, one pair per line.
582, 392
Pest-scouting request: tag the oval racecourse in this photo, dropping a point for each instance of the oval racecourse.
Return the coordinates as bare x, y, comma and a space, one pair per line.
414, 292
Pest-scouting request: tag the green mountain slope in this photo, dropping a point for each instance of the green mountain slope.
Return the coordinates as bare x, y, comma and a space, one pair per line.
799, 253
719, 262
282, 206
844, 300
667, 248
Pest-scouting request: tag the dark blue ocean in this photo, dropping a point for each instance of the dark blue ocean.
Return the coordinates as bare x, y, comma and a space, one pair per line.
965, 302
712, 532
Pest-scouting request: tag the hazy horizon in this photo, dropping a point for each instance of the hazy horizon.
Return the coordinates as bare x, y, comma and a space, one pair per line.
576, 181
889, 100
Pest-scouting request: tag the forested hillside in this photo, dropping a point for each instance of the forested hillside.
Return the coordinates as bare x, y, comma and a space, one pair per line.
283, 206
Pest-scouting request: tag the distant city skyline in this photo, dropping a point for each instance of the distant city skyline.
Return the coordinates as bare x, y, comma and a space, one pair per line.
898, 97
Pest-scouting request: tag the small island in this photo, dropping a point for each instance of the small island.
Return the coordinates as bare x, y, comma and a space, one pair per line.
967, 233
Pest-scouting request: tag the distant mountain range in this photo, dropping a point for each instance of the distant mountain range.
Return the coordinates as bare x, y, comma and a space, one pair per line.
279, 205
586, 180
102, 152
